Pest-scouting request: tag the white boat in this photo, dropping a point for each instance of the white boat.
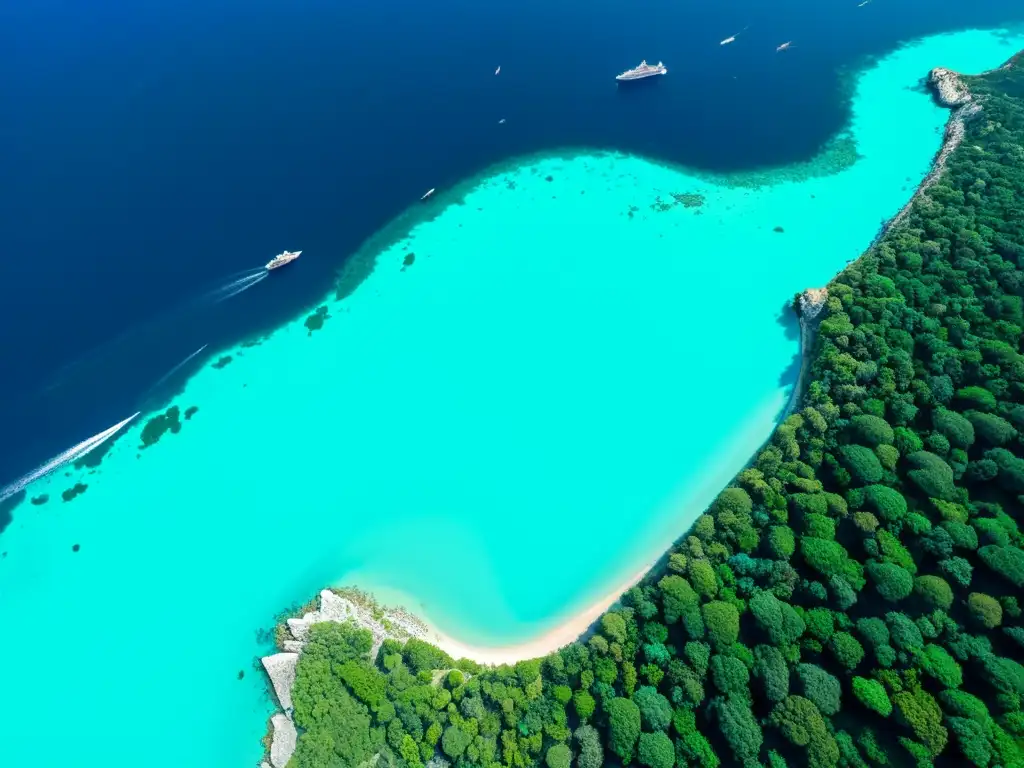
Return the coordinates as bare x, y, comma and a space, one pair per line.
642, 71
427, 194
285, 257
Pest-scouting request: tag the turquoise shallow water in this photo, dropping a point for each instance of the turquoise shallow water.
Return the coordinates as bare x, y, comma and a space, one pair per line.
502, 431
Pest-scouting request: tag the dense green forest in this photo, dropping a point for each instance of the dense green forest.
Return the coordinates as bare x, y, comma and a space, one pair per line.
853, 599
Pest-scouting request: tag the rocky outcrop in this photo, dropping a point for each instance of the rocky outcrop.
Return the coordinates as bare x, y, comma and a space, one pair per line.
280, 667
281, 671
948, 88
810, 309
812, 302
283, 745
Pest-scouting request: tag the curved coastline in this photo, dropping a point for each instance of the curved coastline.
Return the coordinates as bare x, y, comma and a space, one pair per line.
810, 307
127, 449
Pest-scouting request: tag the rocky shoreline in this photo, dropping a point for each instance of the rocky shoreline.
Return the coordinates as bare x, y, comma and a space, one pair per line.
810, 311
950, 91
340, 605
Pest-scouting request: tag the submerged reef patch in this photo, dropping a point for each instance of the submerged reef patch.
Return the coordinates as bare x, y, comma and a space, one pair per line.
223, 362
191, 411
7, 507
74, 491
158, 425
408, 261
40, 500
838, 155
685, 199
689, 199
316, 320
94, 458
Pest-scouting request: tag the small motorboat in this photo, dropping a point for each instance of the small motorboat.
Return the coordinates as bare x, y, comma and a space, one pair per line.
427, 194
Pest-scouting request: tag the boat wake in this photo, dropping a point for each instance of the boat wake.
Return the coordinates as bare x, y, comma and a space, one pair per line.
163, 379
238, 284
159, 329
72, 454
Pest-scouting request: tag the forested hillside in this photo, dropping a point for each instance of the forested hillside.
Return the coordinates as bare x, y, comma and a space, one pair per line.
854, 599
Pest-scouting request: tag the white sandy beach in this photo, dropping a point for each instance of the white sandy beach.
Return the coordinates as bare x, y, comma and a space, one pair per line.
552, 640
689, 504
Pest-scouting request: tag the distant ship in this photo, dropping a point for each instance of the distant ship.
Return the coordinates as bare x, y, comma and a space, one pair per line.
287, 257
644, 70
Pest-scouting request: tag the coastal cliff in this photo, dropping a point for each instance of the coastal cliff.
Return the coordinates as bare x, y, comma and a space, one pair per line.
337, 606
810, 309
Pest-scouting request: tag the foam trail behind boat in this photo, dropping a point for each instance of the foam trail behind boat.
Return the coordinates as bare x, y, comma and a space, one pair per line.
72, 454
205, 298
177, 368
243, 285
239, 282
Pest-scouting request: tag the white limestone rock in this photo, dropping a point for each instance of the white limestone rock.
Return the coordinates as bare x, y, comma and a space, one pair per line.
812, 301
334, 607
281, 671
293, 646
949, 88
300, 627
282, 746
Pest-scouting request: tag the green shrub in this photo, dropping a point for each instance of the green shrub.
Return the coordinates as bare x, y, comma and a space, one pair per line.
780, 541
892, 582
723, 623
985, 610
846, 650
907, 441
931, 474
993, 430
861, 463
872, 695
655, 711
623, 727
559, 756
778, 620
955, 427
820, 687
739, 728
934, 591
1007, 561
656, 750
886, 502
819, 526
870, 431
976, 397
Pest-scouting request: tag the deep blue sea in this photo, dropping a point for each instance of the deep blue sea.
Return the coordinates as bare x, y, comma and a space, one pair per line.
152, 148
